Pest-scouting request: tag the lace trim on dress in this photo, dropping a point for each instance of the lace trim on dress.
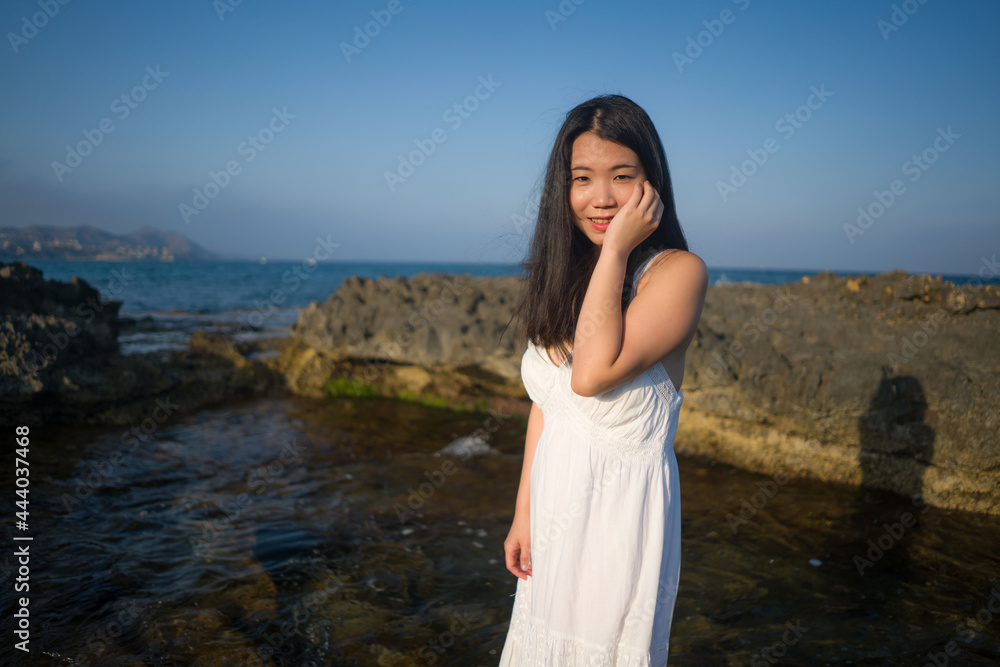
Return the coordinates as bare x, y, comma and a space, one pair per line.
535, 645
664, 385
661, 379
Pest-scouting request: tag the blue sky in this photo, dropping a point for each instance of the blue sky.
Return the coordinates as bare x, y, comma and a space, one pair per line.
329, 126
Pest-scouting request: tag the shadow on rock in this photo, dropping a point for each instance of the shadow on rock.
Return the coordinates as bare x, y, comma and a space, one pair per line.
897, 447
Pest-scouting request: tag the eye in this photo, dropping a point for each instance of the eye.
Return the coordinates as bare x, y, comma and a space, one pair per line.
581, 179
623, 177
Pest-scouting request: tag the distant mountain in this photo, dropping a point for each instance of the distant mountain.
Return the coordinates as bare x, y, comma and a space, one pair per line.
89, 243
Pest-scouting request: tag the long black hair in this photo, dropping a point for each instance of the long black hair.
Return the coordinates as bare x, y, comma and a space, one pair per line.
561, 259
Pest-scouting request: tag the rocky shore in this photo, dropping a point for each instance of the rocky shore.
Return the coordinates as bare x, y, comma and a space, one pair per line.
889, 381
60, 361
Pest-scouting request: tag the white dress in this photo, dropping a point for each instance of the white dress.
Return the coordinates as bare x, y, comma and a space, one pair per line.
605, 523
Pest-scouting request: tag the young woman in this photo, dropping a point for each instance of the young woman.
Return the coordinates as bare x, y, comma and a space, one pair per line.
611, 303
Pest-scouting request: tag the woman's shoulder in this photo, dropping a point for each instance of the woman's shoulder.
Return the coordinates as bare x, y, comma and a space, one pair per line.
680, 265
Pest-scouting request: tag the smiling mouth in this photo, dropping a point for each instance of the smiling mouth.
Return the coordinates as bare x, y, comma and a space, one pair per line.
601, 222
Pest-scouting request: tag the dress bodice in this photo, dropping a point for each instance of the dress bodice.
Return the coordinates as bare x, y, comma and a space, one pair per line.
637, 416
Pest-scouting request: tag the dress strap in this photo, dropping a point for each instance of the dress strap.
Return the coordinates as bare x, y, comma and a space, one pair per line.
642, 269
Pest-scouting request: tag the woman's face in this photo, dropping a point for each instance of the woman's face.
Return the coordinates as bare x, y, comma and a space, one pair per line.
603, 175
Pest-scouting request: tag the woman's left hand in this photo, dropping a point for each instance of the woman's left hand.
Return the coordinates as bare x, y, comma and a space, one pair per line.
636, 220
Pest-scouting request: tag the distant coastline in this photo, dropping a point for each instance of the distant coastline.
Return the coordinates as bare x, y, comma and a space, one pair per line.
86, 243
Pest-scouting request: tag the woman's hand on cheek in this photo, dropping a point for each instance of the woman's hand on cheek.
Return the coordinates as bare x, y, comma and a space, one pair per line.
635, 221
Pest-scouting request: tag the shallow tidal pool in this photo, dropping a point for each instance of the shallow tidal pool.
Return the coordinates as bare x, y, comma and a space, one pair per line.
291, 531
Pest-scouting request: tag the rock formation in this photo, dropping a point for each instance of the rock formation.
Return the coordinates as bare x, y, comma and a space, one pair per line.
888, 381
430, 318
60, 361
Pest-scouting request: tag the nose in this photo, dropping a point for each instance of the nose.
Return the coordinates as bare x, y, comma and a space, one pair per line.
603, 196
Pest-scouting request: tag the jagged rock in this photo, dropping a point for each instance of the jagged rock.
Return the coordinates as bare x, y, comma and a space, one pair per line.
887, 381
45, 326
429, 318
890, 381
60, 361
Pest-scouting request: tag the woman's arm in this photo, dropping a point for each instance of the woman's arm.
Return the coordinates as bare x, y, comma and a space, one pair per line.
610, 349
517, 546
